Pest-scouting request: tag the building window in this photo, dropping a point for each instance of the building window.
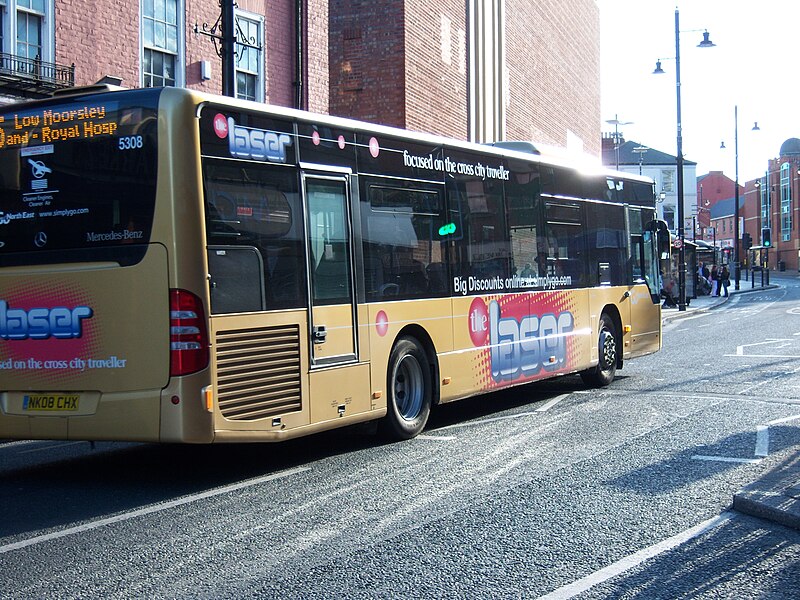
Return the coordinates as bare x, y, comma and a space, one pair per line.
667, 180
786, 203
765, 202
26, 31
30, 15
249, 66
160, 40
668, 213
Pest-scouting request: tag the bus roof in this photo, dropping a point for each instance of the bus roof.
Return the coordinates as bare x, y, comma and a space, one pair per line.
519, 149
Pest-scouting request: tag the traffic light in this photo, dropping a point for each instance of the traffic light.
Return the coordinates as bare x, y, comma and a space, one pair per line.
747, 241
766, 237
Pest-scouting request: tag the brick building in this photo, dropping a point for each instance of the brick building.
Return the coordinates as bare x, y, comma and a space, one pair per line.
777, 207
768, 202
471, 69
716, 197
475, 70
49, 44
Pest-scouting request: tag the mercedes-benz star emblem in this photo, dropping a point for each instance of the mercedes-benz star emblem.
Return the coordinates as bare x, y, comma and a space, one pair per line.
40, 239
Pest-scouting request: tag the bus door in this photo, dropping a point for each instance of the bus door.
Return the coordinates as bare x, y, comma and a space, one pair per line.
653, 254
339, 383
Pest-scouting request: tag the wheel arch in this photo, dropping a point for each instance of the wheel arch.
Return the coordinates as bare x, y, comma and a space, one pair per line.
417, 332
613, 312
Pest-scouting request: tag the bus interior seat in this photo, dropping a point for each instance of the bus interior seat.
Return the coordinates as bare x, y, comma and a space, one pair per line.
413, 278
286, 277
437, 277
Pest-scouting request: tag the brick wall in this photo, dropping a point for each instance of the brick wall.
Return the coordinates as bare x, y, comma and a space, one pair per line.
404, 62
367, 60
553, 57
436, 67
398, 62
199, 47
106, 42
317, 75
101, 38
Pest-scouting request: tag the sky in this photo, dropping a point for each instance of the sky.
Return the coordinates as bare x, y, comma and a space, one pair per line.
752, 65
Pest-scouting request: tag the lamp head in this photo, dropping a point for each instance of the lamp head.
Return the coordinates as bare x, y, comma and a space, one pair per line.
706, 43
658, 70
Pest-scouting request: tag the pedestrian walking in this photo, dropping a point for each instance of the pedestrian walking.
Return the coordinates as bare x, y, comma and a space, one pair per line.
714, 281
725, 279
703, 285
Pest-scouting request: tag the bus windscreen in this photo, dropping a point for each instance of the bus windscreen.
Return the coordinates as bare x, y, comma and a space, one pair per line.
78, 179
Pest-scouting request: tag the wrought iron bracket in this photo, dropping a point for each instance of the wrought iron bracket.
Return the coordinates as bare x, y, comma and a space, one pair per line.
240, 41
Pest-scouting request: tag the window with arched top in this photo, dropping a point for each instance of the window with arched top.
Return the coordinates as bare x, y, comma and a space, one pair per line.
786, 202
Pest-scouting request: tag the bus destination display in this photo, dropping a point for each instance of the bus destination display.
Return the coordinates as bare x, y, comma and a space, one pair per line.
52, 125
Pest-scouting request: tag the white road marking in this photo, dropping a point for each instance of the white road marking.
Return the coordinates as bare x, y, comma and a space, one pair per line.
740, 349
552, 403
634, 560
784, 420
726, 459
438, 438
547, 406
50, 447
156, 508
762, 440
483, 421
764, 355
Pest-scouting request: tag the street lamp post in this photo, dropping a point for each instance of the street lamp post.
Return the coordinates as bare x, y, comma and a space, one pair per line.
736, 272
706, 43
640, 150
736, 256
616, 123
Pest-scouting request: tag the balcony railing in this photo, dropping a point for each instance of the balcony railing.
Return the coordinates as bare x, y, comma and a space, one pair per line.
33, 77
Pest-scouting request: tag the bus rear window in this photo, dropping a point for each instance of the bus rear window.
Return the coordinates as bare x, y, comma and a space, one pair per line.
78, 179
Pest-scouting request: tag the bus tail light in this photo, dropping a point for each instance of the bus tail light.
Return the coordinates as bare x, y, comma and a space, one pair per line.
188, 336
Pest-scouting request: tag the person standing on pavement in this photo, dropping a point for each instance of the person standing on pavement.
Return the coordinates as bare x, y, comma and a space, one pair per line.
714, 281
724, 280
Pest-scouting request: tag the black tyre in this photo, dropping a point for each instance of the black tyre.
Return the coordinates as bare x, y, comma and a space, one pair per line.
603, 374
409, 391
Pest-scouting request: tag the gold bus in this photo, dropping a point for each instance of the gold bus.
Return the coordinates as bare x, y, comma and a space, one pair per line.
180, 267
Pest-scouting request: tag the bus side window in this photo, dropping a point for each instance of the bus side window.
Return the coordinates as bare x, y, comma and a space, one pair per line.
608, 243
404, 247
253, 214
237, 283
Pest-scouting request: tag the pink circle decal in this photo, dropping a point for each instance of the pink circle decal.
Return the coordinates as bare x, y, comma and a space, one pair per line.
341, 142
315, 137
382, 323
374, 147
478, 322
221, 126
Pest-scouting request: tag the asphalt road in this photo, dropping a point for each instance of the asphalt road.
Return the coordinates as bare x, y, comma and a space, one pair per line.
551, 490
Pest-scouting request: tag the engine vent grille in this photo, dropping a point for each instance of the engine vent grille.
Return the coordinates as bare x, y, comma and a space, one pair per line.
258, 372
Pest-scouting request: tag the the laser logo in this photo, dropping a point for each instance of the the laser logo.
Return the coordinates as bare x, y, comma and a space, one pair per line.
253, 144
42, 323
522, 348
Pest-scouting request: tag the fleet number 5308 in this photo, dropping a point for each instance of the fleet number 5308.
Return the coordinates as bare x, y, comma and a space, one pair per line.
130, 142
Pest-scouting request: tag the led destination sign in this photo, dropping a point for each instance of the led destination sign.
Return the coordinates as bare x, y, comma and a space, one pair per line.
52, 125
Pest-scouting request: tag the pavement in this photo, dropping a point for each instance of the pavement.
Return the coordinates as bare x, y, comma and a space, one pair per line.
775, 496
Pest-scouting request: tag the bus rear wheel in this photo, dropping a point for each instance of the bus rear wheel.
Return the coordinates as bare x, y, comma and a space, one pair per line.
603, 374
409, 385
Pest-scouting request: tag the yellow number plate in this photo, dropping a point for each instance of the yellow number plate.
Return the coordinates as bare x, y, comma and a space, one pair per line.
50, 402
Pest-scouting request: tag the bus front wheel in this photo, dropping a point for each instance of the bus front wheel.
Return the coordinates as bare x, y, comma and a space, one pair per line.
409, 385
603, 374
